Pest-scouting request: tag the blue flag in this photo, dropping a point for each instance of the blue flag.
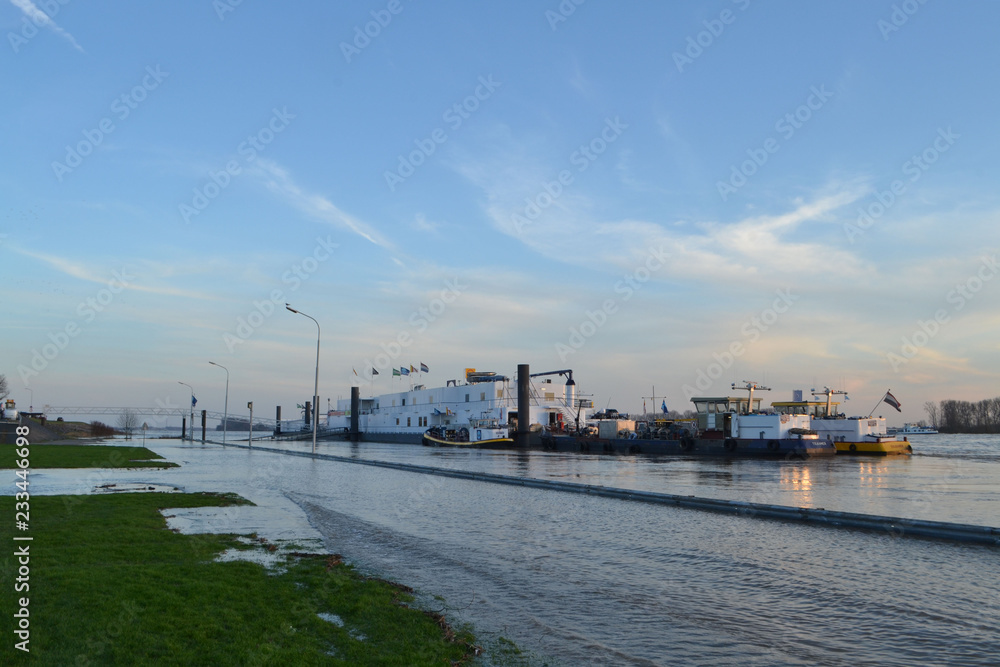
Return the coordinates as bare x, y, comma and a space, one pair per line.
404, 371
194, 401
664, 407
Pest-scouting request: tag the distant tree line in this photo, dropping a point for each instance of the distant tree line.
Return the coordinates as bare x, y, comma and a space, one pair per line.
952, 416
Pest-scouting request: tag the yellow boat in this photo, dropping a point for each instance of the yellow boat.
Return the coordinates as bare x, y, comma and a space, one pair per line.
485, 432
850, 435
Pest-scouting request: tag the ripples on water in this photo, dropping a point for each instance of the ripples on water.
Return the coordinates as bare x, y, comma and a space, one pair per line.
599, 581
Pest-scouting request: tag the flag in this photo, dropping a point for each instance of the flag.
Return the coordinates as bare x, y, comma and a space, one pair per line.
891, 400
395, 372
412, 369
374, 371
403, 370
423, 368
355, 372
194, 401
664, 407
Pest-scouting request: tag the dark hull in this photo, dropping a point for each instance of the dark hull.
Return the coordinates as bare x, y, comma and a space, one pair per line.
741, 448
495, 443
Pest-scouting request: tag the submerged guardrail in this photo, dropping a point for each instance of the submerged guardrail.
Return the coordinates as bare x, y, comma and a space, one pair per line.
894, 526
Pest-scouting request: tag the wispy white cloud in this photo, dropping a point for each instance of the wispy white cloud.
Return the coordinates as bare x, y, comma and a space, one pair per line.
569, 228
125, 278
40, 18
278, 180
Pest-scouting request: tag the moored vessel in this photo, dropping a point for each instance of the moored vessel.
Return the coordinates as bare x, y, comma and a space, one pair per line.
482, 432
850, 435
475, 404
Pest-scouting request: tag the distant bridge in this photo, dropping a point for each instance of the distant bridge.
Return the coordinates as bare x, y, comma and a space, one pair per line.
58, 410
53, 411
290, 429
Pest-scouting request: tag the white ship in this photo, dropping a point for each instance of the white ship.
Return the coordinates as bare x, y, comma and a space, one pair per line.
481, 398
913, 429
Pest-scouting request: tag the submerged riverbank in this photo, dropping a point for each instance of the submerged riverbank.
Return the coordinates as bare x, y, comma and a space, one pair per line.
110, 584
596, 580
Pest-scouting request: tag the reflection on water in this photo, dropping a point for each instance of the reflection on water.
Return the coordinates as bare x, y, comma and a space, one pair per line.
798, 480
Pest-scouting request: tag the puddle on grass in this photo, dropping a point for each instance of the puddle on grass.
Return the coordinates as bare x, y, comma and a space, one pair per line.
136, 487
272, 561
339, 622
279, 523
331, 618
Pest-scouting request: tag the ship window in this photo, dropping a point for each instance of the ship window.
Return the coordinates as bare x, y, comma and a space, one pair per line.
482, 396
407, 420
404, 401
430, 399
397, 421
466, 398
499, 393
394, 402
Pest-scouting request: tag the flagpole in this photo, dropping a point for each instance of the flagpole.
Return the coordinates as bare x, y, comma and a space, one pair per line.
877, 404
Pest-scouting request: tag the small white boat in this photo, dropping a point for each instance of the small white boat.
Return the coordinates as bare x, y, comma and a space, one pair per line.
913, 429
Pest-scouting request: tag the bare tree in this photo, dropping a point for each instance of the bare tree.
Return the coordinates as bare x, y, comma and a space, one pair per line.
4, 389
932, 412
128, 422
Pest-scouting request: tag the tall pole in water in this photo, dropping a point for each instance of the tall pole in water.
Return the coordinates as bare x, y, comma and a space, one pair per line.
523, 404
315, 415
192, 407
225, 414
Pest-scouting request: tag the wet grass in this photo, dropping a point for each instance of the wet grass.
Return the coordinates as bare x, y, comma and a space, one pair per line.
84, 456
111, 585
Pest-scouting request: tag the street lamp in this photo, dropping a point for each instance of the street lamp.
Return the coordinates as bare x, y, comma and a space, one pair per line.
316, 385
31, 401
191, 423
225, 414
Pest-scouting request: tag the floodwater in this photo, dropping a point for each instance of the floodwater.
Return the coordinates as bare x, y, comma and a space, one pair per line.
589, 580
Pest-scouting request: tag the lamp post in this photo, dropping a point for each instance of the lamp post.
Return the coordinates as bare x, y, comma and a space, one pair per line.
225, 414
315, 415
31, 401
190, 423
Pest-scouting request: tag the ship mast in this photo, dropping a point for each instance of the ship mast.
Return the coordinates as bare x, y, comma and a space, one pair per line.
750, 386
829, 393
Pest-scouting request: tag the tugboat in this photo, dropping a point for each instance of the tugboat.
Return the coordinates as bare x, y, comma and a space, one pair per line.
850, 435
482, 432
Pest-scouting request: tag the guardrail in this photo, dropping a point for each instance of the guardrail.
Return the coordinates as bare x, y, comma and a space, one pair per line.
893, 526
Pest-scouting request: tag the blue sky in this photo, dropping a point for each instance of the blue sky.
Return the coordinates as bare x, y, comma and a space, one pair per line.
670, 195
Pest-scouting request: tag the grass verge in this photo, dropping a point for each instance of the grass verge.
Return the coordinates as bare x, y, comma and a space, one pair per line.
85, 456
111, 585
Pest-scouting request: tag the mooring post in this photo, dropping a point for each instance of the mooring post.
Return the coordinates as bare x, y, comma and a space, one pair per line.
523, 405
355, 410
204, 419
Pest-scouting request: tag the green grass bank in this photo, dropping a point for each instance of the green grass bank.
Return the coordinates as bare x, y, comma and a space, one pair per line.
110, 584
